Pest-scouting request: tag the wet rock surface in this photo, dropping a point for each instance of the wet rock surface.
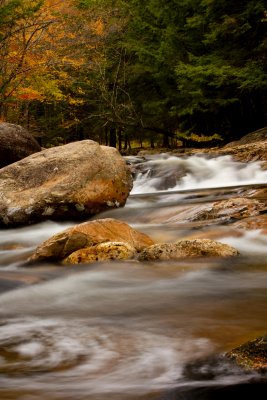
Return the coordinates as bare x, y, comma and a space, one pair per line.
187, 249
106, 251
251, 355
232, 209
89, 234
72, 181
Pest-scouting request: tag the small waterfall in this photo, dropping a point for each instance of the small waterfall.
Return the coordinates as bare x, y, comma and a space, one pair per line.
172, 173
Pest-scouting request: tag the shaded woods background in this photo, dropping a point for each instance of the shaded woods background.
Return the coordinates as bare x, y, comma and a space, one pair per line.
121, 71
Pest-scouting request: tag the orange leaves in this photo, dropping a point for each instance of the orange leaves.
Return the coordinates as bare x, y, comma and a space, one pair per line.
52, 48
29, 94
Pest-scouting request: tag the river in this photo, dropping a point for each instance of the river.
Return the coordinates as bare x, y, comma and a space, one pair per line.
127, 330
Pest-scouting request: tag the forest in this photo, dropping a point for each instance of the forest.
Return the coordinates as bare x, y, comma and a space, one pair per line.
118, 71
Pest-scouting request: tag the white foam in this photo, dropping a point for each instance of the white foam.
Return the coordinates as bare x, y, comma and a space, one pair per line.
198, 172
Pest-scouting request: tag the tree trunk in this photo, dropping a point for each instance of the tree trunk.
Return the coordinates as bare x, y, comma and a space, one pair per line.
3, 112
125, 141
166, 142
112, 137
120, 138
106, 135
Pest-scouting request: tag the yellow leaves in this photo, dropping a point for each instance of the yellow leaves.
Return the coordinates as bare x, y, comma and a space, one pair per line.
70, 123
58, 5
69, 61
13, 53
49, 48
75, 102
48, 86
47, 54
62, 75
98, 27
80, 91
198, 138
12, 57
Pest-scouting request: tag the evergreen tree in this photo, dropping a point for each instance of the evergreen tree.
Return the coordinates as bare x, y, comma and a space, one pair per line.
223, 84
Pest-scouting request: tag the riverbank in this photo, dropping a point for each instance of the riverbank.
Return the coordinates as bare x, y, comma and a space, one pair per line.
251, 147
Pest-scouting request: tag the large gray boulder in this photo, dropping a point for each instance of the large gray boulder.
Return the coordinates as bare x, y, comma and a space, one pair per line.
15, 143
77, 180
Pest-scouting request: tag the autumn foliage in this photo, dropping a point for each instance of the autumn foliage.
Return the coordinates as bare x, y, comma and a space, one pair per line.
43, 44
116, 69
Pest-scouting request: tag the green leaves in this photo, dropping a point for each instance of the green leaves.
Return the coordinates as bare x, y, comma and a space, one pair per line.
187, 65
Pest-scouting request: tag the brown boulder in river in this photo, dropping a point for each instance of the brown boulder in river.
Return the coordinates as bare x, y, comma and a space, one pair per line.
15, 143
76, 180
89, 234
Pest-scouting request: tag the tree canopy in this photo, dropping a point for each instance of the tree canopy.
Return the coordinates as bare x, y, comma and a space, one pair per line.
104, 69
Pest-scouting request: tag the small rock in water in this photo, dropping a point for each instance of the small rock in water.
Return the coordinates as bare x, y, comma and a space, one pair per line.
101, 252
187, 248
251, 355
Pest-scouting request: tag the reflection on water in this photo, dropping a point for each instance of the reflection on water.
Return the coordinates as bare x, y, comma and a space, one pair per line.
128, 330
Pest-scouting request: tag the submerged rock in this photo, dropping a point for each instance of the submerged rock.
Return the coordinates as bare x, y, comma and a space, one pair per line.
16, 143
231, 209
89, 234
206, 213
77, 180
217, 377
253, 223
185, 249
251, 355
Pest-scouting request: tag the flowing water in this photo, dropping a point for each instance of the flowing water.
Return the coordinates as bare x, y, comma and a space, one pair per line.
127, 330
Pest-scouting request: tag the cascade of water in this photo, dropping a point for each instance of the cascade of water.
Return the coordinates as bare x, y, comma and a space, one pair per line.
175, 173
